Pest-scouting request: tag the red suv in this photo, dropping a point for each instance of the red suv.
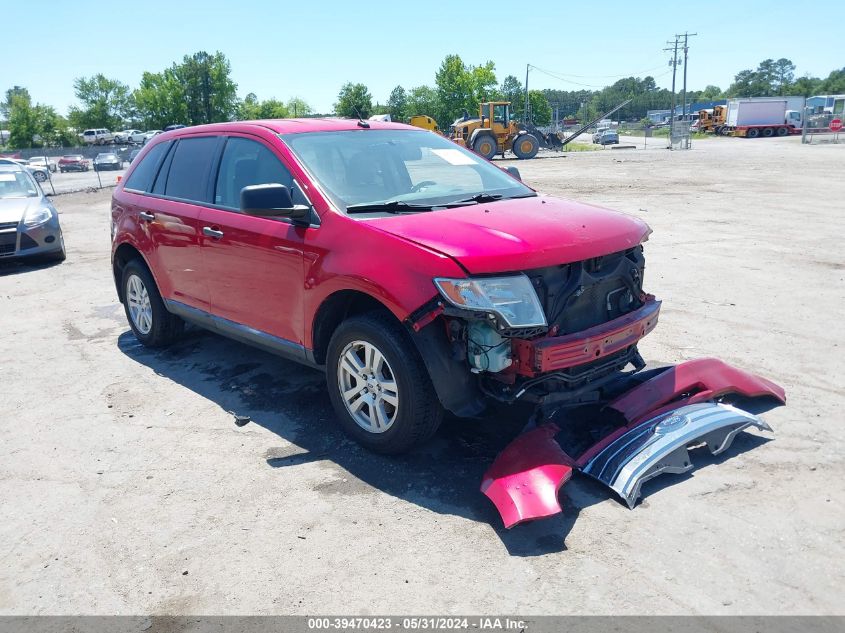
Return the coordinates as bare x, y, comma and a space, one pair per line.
419, 276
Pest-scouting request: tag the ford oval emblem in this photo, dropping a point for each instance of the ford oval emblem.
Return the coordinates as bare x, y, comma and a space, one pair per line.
670, 424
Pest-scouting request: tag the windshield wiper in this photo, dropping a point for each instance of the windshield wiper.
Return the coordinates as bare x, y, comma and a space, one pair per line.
400, 206
482, 197
389, 206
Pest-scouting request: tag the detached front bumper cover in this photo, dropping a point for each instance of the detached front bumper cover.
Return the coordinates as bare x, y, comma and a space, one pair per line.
662, 418
660, 445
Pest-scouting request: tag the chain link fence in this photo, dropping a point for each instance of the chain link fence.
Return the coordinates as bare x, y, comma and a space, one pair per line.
823, 126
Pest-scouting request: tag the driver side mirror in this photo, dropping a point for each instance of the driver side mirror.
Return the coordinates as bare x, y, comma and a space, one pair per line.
272, 200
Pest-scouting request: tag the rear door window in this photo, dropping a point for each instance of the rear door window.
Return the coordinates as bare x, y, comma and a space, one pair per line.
188, 175
141, 178
246, 162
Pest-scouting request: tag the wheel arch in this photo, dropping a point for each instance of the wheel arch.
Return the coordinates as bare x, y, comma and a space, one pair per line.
334, 309
122, 255
454, 385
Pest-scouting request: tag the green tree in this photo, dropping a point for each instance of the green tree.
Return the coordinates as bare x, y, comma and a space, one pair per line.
423, 100
14, 91
161, 99
298, 107
248, 108
711, 93
460, 87
105, 103
835, 82
210, 93
483, 83
199, 90
805, 86
28, 122
512, 90
397, 104
354, 101
541, 110
784, 74
771, 78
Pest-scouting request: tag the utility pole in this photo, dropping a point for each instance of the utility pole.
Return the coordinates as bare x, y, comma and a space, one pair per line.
674, 65
525, 108
686, 37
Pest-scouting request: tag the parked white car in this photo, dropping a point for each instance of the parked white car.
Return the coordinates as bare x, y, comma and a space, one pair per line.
150, 134
140, 137
97, 136
43, 161
125, 136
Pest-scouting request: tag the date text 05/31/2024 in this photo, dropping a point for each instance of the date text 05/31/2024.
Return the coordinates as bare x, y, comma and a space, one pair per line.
432, 623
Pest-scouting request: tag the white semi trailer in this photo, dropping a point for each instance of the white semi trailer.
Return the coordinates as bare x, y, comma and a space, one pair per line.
769, 116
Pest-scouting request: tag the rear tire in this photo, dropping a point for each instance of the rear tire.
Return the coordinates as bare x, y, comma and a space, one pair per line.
526, 146
768, 132
39, 176
486, 146
752, 133
396, 407
782, 131
150, 321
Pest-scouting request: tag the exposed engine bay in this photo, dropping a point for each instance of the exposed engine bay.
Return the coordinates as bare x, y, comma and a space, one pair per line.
594, 311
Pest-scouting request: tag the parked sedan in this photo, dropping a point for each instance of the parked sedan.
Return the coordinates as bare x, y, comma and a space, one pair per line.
138, 137
29, 224
44, 162
73, 162
107, 160
39, 173
609, 137
125, 136
150, 134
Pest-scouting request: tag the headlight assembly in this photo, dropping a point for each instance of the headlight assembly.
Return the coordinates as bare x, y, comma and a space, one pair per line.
512, 298
37, 217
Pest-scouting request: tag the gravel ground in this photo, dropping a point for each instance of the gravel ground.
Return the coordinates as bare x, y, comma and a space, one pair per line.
126, 487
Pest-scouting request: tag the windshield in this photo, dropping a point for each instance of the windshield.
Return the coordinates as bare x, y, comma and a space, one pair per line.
399, 169
17, 185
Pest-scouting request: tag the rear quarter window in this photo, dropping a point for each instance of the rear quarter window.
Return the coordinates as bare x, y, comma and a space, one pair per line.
189, 169
141, 178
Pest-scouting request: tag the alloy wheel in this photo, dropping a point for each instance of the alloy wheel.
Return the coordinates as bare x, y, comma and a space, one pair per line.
368, 386
140, 309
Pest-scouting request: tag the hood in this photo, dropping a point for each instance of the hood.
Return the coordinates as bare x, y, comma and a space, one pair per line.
519, 234
13, 209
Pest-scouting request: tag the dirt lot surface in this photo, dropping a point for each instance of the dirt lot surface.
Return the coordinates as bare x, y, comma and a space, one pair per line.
125, 487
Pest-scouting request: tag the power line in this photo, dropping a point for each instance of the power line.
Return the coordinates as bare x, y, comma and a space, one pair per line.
631, 74
577, 83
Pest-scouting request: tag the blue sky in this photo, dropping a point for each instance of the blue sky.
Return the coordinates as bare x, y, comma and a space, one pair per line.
279, 49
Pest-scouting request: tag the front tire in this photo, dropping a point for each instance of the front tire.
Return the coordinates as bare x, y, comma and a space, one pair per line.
150, 321
379, 386
525, 146
486, 146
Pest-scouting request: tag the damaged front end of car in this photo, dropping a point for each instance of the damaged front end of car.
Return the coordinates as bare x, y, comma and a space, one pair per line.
645, 431
565, 339
551, 335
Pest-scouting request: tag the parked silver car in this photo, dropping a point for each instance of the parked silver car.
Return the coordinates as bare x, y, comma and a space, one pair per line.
29, 224
107, 160
609, 137
39, 173
43, 161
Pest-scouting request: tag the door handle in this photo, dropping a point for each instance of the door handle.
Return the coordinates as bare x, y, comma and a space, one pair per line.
211, 232
146, 215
